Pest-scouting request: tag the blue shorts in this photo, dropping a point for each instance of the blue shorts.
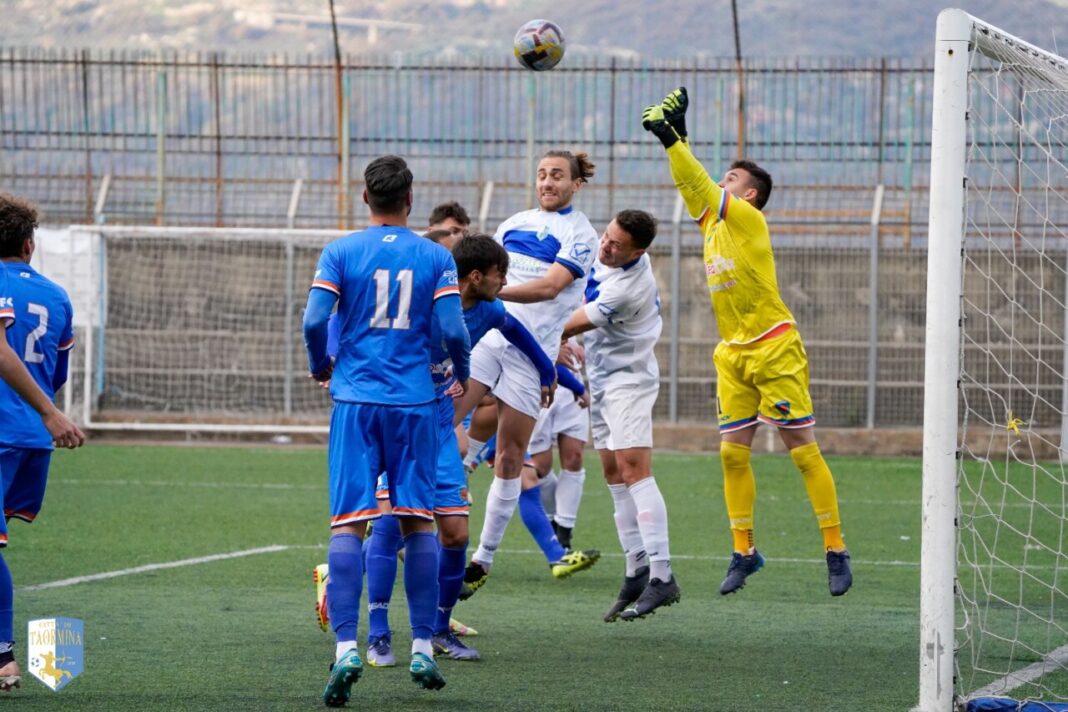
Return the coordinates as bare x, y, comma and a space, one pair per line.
25, 473
450, 491
366, 440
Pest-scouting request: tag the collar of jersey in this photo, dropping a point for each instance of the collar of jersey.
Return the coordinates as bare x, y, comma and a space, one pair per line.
564, 211
633, 262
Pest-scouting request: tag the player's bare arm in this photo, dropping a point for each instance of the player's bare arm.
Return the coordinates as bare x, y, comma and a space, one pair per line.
542, 289
578, 323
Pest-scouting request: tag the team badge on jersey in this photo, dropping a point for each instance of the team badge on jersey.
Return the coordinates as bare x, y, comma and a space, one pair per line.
580, 252
56, 650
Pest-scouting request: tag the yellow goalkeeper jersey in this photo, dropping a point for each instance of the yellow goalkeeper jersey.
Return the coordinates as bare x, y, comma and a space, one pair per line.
738, 259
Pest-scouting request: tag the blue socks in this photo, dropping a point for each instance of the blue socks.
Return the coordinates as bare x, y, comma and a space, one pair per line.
451, 564
381, 552
344, 585
421, 581
7, 603
537, 523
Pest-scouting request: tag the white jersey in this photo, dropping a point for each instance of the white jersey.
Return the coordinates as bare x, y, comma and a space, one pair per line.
535, 240
624, 304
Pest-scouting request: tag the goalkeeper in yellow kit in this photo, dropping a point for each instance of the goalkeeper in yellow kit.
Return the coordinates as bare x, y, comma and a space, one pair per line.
761, 364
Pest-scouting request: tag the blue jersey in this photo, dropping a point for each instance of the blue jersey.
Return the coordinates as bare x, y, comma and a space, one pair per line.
386, 279
42, 327
479, 319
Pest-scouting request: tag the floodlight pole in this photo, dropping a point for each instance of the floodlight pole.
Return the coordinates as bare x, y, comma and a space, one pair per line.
342, 189
741, 80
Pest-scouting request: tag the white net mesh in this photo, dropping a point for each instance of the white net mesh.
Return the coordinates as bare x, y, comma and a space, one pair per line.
203, 326
1012, 596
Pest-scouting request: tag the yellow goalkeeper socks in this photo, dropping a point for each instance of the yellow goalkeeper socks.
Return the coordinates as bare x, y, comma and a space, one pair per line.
739, 490
821, 492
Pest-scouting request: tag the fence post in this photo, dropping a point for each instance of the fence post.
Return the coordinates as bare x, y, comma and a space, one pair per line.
612, 139
484, 206
294, 203
161, 141
531, 100
287, 383
676, 277
873, 303
99, 217
217, 115
346, 150
910, 118
88, 140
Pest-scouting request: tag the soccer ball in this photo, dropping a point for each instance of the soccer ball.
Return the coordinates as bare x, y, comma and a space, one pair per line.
539, 45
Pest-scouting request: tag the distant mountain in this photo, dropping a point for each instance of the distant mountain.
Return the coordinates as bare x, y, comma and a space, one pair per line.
683, 29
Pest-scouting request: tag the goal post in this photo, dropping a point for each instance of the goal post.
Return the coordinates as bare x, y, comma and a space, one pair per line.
196, 329
994, 551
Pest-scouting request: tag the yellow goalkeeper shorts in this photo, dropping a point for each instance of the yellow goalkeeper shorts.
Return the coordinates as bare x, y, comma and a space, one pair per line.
764, 381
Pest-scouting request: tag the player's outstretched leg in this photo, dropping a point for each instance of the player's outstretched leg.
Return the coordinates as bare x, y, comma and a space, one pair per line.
633, 586
343, 675
475, 577
574, 561
740, 569
839, 574
657, 594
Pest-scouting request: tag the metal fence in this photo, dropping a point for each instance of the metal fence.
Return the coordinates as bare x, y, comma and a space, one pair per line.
225, 140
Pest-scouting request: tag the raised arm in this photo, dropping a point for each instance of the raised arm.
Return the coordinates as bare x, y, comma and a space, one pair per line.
697, 188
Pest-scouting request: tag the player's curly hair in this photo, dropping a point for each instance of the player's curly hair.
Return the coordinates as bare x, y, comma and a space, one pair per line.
479, 252
640, 225
450, 209
759, 179
388, 180
582, 167
18, 220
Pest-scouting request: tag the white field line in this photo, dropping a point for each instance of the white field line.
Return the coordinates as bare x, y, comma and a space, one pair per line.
205, 485
133, 571
322, 488
1056, 660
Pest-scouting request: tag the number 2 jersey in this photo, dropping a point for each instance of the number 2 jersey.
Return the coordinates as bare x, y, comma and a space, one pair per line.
387, 279
40, 326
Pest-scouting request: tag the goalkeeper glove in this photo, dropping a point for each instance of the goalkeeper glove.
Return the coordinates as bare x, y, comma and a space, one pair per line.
675, 105
653, 120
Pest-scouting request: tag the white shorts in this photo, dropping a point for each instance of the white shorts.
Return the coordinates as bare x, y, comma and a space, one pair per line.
508, 373
563, 417
622, 416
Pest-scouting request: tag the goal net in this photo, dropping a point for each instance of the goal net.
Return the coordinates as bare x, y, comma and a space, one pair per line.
994, 574
197, 329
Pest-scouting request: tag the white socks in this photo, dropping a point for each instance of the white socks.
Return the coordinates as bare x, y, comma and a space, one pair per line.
548, 493
630, 537
422, 645
653, 524
344, 646
474, 448
568, 497
500, 506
